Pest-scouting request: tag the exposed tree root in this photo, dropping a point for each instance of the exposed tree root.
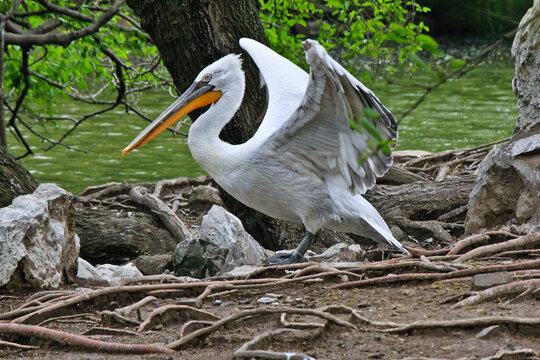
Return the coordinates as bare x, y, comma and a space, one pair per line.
98, 330
495, 292
518, 243
246, 352
79, 340
465, 323
175, 312
533, 264
255, 312
17, 346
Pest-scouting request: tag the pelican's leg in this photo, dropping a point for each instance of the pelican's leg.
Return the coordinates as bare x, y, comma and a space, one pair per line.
297, 255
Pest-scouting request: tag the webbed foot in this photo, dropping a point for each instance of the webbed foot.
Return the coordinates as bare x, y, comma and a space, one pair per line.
284, 259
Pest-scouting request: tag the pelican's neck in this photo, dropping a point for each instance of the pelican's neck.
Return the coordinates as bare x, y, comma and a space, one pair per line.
204, 142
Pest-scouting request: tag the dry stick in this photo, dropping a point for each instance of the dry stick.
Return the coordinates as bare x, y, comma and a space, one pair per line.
245, 351
323, 268
126, 310
298, 325
520, 242
190, 323
498, 291
255, 312
533, 264
419, 252
215, 286
98, 330
201, 314
64, 317
344, 309
513, 354
119, 318
475, 239
18, 346
465, 323
80, 340
171, 221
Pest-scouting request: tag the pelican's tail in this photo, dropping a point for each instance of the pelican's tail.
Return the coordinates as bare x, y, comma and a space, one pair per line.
358, 216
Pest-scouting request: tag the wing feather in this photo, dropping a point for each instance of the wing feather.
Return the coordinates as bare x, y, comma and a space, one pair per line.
317, 137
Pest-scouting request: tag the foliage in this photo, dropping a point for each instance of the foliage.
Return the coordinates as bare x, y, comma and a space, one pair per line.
374, 29
86, 70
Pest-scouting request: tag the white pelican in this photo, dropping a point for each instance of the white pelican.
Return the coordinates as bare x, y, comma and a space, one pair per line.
303, 163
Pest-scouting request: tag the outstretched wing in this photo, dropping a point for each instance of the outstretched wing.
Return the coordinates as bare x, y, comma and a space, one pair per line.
317, 137
285, 83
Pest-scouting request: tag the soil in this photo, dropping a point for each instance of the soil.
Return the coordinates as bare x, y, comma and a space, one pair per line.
396, 303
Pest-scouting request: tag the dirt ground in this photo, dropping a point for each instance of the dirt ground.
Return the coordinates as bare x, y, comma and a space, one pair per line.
404, 304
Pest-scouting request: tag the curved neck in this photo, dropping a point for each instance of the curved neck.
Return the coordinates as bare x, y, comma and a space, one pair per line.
203, 141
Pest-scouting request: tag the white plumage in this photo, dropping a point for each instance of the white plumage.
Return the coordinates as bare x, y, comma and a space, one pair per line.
303, 163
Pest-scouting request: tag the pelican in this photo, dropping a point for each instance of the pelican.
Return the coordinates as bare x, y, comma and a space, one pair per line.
304, 163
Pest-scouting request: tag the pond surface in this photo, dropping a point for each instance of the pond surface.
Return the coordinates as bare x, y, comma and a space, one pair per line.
473, 110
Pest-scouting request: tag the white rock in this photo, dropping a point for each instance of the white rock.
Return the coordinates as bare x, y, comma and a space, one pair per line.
115, 273
38, 240
340, 252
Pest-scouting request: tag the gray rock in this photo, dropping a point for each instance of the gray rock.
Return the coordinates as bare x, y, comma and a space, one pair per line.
153, 264
204, 194
484, 281
189, 260
242, 271
340, 252
38, 244
221, 246
115, 273
508, 185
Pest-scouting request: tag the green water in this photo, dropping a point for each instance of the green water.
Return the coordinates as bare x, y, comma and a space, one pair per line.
476, 109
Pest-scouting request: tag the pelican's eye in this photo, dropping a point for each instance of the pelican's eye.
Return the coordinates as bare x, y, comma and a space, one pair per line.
207, 78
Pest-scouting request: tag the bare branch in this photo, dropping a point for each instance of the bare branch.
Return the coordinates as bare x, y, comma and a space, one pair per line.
65, 11
63, 39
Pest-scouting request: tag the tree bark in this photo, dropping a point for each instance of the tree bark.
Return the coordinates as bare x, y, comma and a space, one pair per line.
192, 34
15, 180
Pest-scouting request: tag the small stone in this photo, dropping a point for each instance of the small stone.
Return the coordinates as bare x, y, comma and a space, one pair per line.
217, 302
277, 296
483, 281
266, 300
487, 332
227, 303
190, 302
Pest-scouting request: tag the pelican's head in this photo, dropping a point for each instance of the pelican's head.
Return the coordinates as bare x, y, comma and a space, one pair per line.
212, 82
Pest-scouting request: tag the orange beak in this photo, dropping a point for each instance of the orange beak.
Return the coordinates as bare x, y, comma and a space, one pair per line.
196, 96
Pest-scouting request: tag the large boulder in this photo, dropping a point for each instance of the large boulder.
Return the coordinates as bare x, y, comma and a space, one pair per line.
38, 243
222, 245
508, 185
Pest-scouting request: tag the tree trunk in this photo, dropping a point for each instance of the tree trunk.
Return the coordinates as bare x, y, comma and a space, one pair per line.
192, 34
15, 180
